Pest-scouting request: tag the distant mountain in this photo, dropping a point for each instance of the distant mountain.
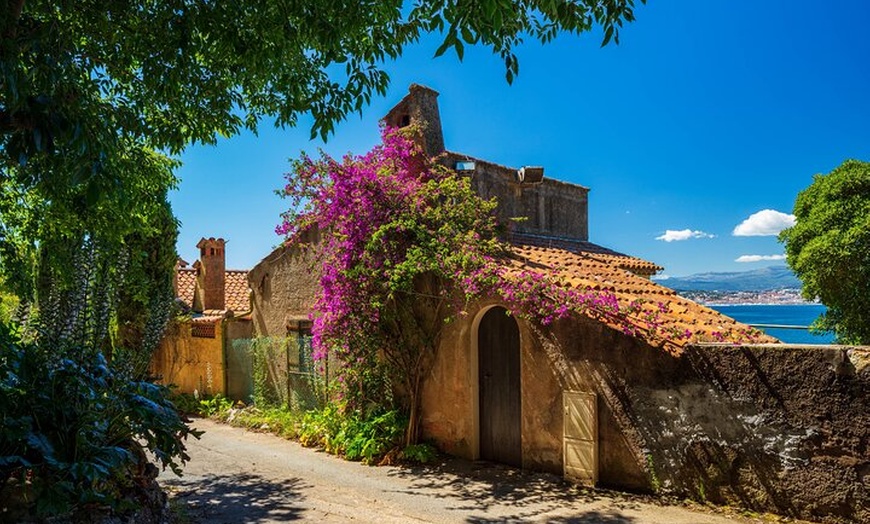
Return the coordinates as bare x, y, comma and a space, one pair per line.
763, 279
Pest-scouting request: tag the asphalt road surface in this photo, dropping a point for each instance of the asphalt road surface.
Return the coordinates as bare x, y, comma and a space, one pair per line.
237, 476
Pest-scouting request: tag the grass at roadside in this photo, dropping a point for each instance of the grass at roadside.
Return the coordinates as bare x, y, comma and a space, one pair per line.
376, 438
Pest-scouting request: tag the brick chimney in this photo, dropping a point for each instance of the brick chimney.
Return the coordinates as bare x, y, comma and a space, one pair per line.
212, 269
420, 107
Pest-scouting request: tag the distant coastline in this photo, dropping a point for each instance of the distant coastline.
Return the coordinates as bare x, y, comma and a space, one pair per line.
777, 297
772, 319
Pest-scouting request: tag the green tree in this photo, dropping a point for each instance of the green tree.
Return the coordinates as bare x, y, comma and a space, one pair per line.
829, 249
8, 305
148, 278
90, 92
95, 98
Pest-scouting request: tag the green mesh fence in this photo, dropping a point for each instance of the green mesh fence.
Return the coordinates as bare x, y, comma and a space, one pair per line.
279, 371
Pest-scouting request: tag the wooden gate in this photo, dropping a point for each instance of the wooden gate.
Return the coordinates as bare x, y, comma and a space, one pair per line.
498, 344
580, 436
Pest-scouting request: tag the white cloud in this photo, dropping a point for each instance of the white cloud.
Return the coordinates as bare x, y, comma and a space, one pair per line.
682, 234
758, 258
766, 222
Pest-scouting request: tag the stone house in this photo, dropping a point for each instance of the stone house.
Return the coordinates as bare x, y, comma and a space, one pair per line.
762, 425
195, 353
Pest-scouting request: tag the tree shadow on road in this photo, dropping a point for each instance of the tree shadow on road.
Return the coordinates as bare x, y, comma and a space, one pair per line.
586, 517
482, 486
236, 498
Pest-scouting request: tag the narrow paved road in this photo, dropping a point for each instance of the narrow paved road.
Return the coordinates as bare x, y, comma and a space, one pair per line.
236, 476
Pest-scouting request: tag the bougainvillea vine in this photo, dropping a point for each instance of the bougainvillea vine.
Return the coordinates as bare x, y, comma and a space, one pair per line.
405, 245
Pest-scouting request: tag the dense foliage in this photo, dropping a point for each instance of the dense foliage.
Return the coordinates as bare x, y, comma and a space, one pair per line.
405, 245
171, 72
74, 430
93, 93
375, 437
76, 424
829, 249
366, 437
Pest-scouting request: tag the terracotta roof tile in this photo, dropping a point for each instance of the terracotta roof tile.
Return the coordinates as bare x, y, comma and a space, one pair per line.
600, 253
237, 293
207, 319
584, 271
186, 285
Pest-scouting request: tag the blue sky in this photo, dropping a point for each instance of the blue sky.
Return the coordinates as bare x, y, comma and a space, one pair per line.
707, 113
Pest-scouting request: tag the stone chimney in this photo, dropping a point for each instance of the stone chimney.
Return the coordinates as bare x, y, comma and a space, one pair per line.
212, 275
420, 107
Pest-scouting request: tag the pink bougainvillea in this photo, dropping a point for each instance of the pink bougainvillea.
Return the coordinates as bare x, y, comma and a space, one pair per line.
405, 245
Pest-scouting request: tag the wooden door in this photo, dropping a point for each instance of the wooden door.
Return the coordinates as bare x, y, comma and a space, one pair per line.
498, 343
580, 436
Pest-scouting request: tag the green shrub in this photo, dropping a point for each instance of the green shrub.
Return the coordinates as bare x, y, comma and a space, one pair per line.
75, 428
356, 437
187, 403
420, 453
216, 407
319, 428
278, 420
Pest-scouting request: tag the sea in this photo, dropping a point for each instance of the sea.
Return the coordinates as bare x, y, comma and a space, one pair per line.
781, 314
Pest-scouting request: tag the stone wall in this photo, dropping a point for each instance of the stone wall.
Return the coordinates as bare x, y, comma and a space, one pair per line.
775, 428
419, 107
549, 207
285, 286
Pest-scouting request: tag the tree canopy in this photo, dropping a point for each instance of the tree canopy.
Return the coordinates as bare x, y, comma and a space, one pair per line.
829, 249
95, 98
94, 94
183, 70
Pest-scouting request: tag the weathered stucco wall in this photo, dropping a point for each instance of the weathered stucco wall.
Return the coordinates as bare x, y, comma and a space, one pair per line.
776, 428
785, 428
550, 207
191, 363
449, 391
285, 288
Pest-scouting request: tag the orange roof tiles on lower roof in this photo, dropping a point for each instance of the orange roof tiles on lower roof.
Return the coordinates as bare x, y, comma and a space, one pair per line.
601, 253
237, 294
673, 313
186, 278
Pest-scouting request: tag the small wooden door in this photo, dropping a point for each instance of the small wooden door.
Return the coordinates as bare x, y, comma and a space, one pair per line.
498, 343
580, 436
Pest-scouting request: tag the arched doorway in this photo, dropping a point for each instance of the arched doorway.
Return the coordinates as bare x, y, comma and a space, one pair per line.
498, 346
